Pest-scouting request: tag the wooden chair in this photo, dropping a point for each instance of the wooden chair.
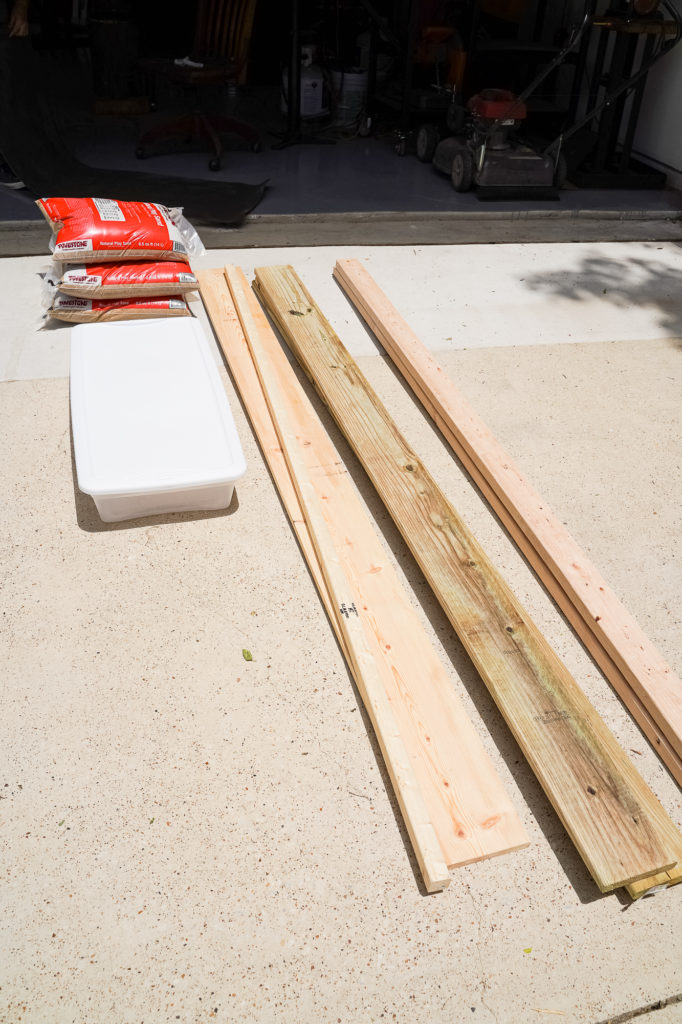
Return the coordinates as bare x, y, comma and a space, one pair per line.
221, 44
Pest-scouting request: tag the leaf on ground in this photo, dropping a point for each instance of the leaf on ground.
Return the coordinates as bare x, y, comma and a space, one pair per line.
61, 822
529, 950
247, 655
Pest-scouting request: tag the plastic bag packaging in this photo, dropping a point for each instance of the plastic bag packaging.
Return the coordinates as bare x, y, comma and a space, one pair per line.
89, 311
94, 230
133, 279
195, 247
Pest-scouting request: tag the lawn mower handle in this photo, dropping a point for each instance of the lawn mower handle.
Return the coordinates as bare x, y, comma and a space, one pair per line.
590, 8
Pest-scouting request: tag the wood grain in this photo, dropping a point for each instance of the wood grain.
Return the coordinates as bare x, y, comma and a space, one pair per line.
615, 821
471, 813
645, 683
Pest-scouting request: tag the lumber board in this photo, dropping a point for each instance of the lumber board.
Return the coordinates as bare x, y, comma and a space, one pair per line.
220, 307
657, 691
472, 814
657, 883
611, 815
422, 833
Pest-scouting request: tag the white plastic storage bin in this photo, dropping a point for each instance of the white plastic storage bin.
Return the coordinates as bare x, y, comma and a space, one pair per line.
152, 428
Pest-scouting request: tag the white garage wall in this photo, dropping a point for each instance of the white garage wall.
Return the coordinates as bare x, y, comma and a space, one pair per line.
659, 131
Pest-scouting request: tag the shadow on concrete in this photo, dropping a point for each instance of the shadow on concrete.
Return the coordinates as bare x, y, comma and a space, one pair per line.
624, 282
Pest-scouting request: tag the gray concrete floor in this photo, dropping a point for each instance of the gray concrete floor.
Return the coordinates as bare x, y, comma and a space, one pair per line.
188, 836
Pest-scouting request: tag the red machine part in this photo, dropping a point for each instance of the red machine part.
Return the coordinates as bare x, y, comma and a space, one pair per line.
494, 103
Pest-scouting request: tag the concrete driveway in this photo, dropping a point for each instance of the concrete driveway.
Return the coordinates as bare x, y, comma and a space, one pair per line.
188, 836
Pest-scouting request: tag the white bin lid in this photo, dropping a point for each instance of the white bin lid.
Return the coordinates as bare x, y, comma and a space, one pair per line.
149, 410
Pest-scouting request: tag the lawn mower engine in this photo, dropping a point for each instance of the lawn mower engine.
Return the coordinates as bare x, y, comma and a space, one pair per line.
490, 156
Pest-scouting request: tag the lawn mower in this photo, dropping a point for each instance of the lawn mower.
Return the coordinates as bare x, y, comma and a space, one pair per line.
484, 149
490, 155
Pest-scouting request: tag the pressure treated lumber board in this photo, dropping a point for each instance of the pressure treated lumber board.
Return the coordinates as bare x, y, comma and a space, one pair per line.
663, 880
615, 821
471, 813
657, 690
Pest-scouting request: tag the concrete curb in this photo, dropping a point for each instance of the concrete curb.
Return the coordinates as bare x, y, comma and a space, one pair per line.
30, 238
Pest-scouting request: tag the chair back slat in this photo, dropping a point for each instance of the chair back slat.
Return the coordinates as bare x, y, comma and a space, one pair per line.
223, 31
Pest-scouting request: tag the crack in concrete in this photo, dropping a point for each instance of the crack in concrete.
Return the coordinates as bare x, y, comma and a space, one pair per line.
484, 980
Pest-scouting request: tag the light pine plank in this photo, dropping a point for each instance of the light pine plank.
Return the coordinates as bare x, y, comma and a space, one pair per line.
630, 662
471, 812
615, 821
223, 315
343, 596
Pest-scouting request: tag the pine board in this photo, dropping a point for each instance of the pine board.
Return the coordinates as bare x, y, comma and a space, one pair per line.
470, 810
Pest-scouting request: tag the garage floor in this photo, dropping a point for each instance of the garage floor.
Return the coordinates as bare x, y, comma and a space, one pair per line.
354, 175
187, 836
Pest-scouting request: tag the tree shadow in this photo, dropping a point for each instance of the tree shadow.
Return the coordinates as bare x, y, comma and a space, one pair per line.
624, 282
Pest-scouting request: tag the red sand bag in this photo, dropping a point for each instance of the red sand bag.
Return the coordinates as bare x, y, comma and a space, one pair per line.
91, 230
125, 280
88, 311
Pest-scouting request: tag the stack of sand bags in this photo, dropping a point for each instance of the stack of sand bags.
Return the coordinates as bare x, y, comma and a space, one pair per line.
116, 260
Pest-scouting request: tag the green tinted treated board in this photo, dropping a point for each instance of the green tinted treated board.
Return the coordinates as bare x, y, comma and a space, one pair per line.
615, 821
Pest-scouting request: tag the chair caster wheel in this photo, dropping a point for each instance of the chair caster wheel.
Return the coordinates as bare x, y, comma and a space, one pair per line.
214, 164
141, 153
